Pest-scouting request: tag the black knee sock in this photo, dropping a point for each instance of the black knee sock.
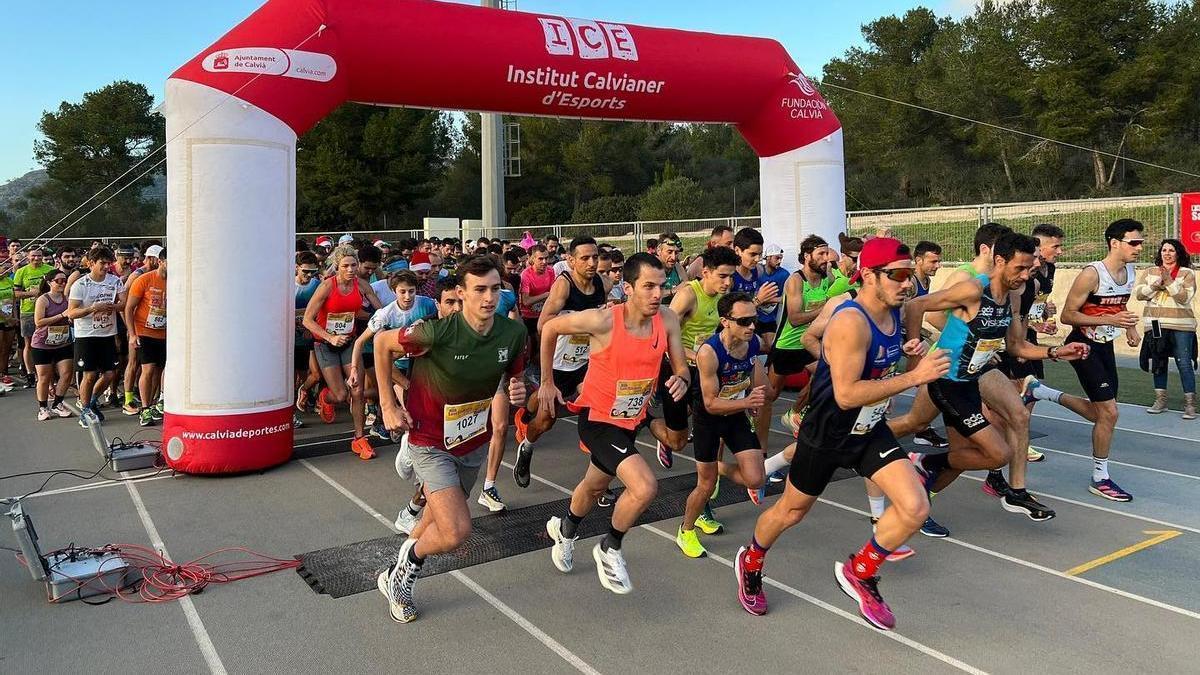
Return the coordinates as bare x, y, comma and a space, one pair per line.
571, 524
612, 540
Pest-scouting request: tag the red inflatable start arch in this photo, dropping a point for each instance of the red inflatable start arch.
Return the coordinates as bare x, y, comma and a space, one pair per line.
235, 110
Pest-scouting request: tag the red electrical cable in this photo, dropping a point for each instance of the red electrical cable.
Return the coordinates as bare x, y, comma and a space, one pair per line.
162, 580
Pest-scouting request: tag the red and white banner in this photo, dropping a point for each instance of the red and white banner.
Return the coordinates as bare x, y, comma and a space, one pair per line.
1189, 221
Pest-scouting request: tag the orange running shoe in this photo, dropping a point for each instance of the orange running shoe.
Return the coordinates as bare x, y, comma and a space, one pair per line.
324, 407
521, 424
362, 447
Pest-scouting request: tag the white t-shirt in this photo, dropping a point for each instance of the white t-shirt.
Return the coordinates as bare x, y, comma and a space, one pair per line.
562, 266
89, 292
386, 295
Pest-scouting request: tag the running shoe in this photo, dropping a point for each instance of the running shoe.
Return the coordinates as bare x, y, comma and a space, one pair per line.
145, 418
96, 411
43, 414
689, 542
521, 425
130, 409
60, 409
379, 431
791, 420
296, 421
562, 553
406, 521
404, 464
30, 381
709, 525
490, 498
1033, 455
866, 593
928, 476
362, 447
665, 457
995, 485
1109, 490
157, 410
750, 590
369, 416
610, 567
521, 465
396, 584
931, 438
302, 399
607, 499
86, 417
1027, 386
757, 495
1020, 501
325, 408
7, 381
931, 528
777, 476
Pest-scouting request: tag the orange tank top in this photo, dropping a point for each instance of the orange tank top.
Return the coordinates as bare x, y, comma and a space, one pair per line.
621, 377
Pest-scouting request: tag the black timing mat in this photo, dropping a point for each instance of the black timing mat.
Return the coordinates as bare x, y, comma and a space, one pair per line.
346, 570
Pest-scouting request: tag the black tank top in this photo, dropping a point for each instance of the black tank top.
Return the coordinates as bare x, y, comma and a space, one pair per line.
578, 301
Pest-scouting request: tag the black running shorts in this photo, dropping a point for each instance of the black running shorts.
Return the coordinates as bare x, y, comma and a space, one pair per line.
152, 351
675, 413
789, 361
95, 354
709, 430
960, 403
812, 468
607, 444
1098, 372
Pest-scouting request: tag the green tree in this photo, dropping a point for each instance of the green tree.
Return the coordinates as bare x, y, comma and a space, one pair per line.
607, 209
677, 198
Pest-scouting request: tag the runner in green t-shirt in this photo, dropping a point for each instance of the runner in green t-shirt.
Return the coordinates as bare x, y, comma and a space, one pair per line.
26, 281
458, 365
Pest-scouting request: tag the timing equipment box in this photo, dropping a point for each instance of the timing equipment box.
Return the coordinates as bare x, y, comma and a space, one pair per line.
86, 575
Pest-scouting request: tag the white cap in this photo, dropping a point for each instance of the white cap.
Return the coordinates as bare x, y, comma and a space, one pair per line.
772, 249
154, 251
345, 239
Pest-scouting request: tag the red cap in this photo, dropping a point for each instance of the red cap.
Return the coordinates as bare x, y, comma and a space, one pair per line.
419, 261
878, 252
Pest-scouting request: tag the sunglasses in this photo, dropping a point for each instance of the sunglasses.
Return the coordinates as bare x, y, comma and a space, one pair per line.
743, 321
899, 274
309, 272
1134, 242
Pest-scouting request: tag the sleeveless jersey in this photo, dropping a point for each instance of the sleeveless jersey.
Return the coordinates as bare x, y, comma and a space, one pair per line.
704, 320
789, 335
973, 343
621, 378
1109, 298
571, 351
735, 376
767, 312
826, 424
336, 316
1033, 300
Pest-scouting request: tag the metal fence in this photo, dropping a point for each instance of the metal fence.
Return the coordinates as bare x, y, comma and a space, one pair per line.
953, 227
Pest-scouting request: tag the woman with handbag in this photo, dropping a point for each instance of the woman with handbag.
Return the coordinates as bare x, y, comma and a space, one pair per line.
1170, 323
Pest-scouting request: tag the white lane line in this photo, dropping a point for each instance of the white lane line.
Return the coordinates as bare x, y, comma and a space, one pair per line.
323, 442
102, 484
849, 616
1088, 458
555, 646
1027, 563
203, 640
1096, 507
1041, 568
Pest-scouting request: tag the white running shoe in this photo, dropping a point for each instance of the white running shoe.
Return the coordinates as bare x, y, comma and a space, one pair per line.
43, 414
490, 499
610, 567
562, 554
396, 584
404, 465
60, 409
406, 522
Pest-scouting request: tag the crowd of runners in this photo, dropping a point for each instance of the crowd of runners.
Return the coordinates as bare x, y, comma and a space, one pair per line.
442, 345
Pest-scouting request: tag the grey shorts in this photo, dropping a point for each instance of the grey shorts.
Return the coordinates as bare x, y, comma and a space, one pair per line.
437, 469
27, 326
330, 357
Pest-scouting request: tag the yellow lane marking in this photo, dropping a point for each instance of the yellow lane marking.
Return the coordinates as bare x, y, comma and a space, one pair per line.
1159, 537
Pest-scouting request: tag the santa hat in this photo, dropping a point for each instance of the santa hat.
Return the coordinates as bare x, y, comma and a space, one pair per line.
324, 241
420, 262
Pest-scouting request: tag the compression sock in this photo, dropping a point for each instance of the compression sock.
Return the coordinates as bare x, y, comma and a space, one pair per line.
612, 540
571, 524
1044, 392
866, 562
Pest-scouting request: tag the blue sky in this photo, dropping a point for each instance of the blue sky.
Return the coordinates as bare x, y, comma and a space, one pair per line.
56, 51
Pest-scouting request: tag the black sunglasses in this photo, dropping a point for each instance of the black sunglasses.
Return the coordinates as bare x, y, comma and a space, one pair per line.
743, 321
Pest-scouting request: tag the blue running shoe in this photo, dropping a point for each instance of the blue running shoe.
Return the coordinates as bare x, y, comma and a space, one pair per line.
931, 528
777, 476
